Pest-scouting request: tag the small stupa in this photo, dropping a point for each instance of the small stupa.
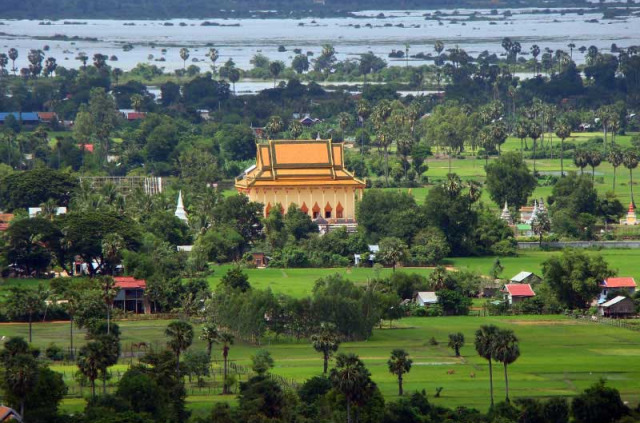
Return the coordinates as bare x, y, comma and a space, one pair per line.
506, 214
631, 216
180, 212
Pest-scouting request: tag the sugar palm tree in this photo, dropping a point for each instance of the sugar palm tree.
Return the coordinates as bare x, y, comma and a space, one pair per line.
13, 55
295, 129
351, 379
234, 76
456, 341
326, 341
180, 336
484, 341
615, 158
399, 364
20, 377
184, 55
534, 132
227, 340
581, 160
594, 158
275, 69
213, 55
630, 161
210, 335
563, 131
274, 126
506, 351
89, 363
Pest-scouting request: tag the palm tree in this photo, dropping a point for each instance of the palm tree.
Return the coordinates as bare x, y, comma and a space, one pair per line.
136, 102
534, 133
4, 61
326, 341
180, 336
20, 377
522, 132
594, 158
484, 341
89, 362
234, 76
406, 55
213, 55
116, 73
210, 335
274, 126
506, 351
184, 55
13, 55
363, 109
275, 68
563, 131
615, 158
571, 47
399, 364
227, 340
630, 161
581, 160
456, 341
295, 129
351, 379
535, 51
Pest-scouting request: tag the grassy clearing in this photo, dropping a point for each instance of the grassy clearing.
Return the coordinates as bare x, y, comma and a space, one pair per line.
560, 357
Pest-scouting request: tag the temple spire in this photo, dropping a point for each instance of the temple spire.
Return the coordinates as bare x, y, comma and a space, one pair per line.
180, 212
506, 214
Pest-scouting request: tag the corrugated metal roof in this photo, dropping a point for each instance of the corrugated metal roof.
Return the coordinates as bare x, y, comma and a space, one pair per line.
613, 301
428, 297
521, 276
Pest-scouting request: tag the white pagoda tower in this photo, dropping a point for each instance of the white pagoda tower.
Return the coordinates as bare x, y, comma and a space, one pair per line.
180, 212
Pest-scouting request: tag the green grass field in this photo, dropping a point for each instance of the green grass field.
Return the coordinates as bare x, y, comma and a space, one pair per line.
560, 357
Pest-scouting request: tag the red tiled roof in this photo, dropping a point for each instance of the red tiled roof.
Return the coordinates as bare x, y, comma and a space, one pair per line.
8, 414
87, 147
4, 227
136, 115
129, 282
519, 290
619, 283
47, 115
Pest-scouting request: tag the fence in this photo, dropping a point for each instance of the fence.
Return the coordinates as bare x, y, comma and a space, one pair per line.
631, 324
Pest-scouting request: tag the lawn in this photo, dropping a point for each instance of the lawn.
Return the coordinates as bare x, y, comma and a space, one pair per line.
560, 357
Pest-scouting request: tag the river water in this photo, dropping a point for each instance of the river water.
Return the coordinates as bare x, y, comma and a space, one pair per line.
241, 39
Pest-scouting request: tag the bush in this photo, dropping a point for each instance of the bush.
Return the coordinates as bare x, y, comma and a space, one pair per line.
54, 353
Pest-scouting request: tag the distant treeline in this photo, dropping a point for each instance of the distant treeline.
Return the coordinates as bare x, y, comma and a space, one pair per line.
164, 9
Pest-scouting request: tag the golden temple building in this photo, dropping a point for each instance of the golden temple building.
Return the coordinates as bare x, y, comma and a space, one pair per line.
309, 173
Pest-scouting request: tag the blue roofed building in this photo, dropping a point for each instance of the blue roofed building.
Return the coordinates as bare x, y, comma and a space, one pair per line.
24, 117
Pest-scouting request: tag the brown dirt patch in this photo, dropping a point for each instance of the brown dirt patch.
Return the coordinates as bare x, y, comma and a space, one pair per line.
545, 322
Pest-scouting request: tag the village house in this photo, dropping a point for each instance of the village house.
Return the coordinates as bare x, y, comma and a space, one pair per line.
8, 414
5, 219
526, 277
426, 298
516, 292
609, 285
131, 295
35, 211
617, 307
310, 174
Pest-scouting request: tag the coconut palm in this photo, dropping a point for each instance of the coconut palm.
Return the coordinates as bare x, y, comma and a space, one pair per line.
615, 158
484, 341
226, 339
563, 131
506, 351
399, 364
456, 341
581, 159
594, 158
184, 55
89, 362
326, 341
210, 335
180, 336
630, 161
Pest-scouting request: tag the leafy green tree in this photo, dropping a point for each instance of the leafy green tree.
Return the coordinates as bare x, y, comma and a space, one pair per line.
392, 251
21, 190
454, 302
300, 63
574, 277
509, 180
541, 224
298, 223
388, 214
399, 364
506, 351
105, 115
31, 244
262, 362
180, 338
429, 246
142, 393
456, 341
484, 341
235, 278
20, 378
326, 341
243, 215
598, 404
450, 128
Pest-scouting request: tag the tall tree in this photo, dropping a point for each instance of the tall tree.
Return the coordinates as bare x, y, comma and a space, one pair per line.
90, 361
213, 55
25, 302
184, 55
563, 131
509, 167
275, 69
20, 377
484, 342
615, 158
13, 55
210, 335
594, 158
392, 251
180, 337
326, 341
351, 378
227, 340
399, 364
630, 161
506, 350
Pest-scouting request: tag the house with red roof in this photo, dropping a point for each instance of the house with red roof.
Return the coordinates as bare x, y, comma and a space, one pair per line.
8, 414
516, 292
5, 219
131, 295
622, 284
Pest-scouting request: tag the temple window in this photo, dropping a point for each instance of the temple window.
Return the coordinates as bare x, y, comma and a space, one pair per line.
316, 210
339, 211
327, 211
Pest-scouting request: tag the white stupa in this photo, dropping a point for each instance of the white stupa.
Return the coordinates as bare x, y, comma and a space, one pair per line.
180, 212
506, 214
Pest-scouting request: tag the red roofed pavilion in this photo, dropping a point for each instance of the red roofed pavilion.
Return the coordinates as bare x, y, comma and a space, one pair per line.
131, 295
516, 292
